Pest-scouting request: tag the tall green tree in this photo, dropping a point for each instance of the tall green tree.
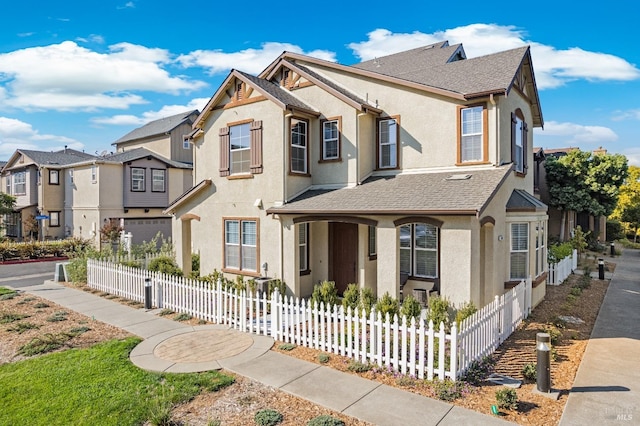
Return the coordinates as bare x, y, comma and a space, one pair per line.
583, 182
631, 215
629, 200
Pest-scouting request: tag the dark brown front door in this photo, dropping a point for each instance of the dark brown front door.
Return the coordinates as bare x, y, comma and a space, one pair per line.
344, 254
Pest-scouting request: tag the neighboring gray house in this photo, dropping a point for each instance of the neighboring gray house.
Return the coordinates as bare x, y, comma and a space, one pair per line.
167, 136
35, 178
131, 188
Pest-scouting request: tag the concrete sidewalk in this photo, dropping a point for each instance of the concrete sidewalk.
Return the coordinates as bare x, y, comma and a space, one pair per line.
174, 347
606, 389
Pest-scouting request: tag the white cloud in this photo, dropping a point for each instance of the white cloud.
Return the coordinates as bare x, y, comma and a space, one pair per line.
252, 61
633, 155
16, 134
553, 67
573, 134
67, 76
127, 5
632, 114
165, 111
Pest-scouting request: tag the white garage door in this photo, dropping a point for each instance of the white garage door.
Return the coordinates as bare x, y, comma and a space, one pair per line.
144, 229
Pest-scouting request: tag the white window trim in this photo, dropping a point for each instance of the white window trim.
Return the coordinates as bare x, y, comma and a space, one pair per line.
242, 137
140, 179
22, 181
519, 143
393, 153
413, 248
326, 140
466, 136
154, 181
512, 251
300, 147
239, 246
52, 173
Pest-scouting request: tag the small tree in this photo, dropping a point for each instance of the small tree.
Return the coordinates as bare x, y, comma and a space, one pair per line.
30, 226
631, 215
110, 231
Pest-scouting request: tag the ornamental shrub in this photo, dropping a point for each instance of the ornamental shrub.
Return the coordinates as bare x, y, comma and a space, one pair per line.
165, 265
326, 293
388, 305
411, 308
267, 417
351, 297
507, 398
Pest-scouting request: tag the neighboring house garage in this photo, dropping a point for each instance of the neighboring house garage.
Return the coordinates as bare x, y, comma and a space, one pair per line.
144, 229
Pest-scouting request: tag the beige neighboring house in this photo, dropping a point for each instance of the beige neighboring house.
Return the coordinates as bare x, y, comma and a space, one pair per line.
167, 137
35, 178
131, 188
407, 172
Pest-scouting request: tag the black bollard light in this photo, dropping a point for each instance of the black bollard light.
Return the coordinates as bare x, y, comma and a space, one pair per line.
601, 269
147, 293
543, 367
613, 249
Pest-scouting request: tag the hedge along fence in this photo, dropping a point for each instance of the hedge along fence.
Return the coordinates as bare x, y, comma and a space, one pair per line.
40, 249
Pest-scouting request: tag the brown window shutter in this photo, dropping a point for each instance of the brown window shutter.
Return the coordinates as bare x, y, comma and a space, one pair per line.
513, 136
525, 143
256, 147
224, 151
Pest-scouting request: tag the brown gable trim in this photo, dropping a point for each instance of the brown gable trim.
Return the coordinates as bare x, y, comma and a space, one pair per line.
368, 74
418, 219
345, 219
341, 96
187, 196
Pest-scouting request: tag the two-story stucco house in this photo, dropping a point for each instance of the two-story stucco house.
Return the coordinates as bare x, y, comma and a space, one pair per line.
131, 188
407, 172
35, 178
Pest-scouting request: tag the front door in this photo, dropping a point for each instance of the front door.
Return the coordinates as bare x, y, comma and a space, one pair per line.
344, 254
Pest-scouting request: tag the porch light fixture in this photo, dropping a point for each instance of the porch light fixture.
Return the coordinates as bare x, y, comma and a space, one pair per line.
258, 203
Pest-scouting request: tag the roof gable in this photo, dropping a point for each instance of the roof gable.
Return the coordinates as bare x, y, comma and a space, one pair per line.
46, 158
267, 89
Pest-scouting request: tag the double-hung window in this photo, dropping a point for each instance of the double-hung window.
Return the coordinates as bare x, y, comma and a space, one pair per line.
137, 179
19, 183
303, 247
331, 140
54, 177
519, 141
541, 257
240, 141
241, 245
7, 184
519, 264
94, 174
158, 180
388, 135
419, 250
472, 135
54, 219
299, 146
372, 244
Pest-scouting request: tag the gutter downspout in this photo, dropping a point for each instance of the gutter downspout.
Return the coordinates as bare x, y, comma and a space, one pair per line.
286, 130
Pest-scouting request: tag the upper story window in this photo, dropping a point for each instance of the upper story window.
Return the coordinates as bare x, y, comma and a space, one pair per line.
331, 139
519, 141
54, 177
94, 174
388, 136
20, 183
137, 179
419, 250
71, 175
38, 177
473, 139
158, 180
7, 184
299, 150
186, 144
241, 148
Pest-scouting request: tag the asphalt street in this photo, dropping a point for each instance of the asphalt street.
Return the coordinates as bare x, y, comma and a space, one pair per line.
26, 274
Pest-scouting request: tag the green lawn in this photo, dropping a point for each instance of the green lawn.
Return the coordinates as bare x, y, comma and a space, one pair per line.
95, 386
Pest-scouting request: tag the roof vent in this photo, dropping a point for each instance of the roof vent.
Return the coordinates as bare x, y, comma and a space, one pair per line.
459, 177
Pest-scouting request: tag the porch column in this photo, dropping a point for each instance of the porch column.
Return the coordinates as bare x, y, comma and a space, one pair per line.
185, 242
289, 256
388, 260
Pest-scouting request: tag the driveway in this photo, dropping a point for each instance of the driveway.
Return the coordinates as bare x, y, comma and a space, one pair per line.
26, 274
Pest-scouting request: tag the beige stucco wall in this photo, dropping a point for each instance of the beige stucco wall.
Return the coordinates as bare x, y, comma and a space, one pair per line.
157, 144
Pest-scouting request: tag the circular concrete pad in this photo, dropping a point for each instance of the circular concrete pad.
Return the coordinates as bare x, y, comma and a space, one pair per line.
203, 346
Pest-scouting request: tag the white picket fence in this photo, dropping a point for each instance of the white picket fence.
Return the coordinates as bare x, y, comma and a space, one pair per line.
408, 346
558, 272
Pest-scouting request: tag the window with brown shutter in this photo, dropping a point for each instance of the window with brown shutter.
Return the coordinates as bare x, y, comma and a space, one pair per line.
224, 151
256, 147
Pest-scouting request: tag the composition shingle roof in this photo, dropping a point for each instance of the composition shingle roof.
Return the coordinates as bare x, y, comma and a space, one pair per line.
60, 158
134, 154
277, 92
431, 66
522, 201
424, 193
157, 127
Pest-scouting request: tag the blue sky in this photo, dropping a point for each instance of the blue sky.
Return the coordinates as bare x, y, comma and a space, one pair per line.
84, 73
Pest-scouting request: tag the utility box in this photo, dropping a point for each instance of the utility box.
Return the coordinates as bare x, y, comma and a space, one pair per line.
262, 284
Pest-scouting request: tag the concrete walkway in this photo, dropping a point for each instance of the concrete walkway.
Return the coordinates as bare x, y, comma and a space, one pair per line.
606, 390
174, 347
